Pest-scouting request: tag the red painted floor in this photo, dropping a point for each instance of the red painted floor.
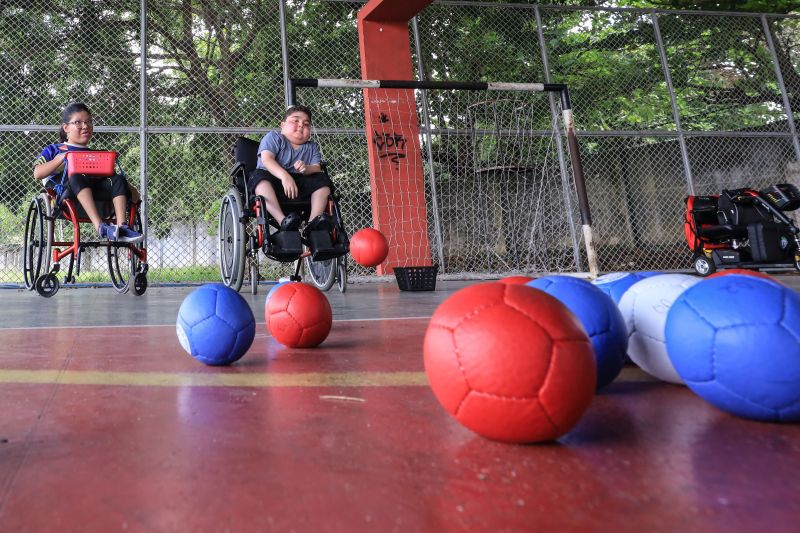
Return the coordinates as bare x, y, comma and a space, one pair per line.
348, 437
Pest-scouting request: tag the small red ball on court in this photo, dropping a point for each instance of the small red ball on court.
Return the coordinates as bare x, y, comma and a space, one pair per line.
369, 247
298, 315
509, 362
515, 280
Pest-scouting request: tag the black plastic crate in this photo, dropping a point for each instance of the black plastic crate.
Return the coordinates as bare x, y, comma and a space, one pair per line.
421, 278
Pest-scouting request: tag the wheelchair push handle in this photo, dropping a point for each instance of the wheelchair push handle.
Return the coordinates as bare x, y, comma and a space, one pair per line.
90, 163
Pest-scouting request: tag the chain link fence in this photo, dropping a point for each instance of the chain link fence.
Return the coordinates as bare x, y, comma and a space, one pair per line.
667, 103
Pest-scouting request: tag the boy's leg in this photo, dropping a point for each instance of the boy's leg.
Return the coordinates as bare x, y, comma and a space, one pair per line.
265, 189
319, 201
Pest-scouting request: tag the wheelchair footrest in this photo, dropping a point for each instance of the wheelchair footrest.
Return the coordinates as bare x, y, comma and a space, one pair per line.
284, 246
322, 247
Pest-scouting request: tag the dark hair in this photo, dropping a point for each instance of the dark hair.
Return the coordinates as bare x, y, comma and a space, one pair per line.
296, 108
71, 109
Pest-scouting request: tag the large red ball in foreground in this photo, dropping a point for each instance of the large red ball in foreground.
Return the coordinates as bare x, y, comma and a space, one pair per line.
369, 247
298, 315
510, 362
744, 272
515, 280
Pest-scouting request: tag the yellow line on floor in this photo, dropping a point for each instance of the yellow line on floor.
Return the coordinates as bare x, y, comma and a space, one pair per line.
224, 379
167, 379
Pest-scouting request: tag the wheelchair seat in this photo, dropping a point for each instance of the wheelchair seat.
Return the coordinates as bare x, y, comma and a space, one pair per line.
704, 219
737, 210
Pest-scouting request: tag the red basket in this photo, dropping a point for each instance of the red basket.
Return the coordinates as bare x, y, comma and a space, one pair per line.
91, 163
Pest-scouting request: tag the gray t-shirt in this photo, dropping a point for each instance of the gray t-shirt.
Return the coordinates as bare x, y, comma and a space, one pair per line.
286, 154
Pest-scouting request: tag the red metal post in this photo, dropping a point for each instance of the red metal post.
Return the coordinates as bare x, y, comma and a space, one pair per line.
397, 179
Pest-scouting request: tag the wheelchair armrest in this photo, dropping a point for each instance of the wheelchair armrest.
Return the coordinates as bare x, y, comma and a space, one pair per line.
236, 168
238, 176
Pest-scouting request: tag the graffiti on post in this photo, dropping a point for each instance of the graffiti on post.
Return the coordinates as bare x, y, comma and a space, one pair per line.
391, 146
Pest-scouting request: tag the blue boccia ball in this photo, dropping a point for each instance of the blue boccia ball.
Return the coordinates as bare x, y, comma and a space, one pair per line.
275, 288
599, 316
615, 284
215, 325
735, 341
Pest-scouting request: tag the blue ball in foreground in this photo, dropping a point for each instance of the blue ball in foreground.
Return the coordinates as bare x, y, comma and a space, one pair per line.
599, 316
215, 325
615, 284
735, 341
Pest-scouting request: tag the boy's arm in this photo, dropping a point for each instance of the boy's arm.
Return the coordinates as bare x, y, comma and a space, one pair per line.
304, 169
313, 155
272, 165
274, 168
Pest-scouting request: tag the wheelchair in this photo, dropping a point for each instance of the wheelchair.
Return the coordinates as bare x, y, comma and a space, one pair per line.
245, 227
47, 227
743, 228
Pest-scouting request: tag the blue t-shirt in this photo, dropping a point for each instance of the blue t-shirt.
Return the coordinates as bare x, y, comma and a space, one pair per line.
286, 154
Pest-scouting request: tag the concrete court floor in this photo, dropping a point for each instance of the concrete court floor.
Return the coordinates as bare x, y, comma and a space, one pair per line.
108, 425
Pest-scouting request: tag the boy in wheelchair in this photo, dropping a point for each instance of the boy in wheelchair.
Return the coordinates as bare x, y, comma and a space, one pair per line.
278, 185
289, 168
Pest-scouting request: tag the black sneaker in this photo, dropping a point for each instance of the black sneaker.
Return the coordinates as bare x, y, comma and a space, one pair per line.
291, 222
323, 222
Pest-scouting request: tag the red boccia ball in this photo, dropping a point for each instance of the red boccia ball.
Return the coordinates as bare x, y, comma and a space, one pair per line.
744, 272
298, 315
369, 247
515, 280
510, 362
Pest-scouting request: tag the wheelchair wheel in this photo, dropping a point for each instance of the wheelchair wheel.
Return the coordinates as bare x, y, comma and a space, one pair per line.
341, 275
36, 246
123, 264
322, 273
232, 239
139, 283
47, 285
119, 267
703, 265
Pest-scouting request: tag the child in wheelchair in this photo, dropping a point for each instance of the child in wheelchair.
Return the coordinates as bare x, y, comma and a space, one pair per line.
278, 185
75, 133
289, 168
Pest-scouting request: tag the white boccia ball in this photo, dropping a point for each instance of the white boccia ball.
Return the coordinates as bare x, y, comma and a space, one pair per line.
644, 306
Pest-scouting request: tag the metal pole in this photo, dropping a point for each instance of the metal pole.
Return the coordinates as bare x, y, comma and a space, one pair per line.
662, 53
784, 95
562, 164
284, 50
437, 228
143, 115
580, 184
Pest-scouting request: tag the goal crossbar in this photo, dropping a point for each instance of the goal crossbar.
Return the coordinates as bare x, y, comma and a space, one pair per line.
566, 108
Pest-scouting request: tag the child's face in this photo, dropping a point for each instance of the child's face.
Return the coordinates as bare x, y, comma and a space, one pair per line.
297, 128
79, 128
